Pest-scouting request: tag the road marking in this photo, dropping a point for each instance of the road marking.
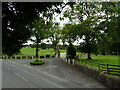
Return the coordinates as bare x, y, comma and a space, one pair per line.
21, 76
12, 62
27, 66
56, 77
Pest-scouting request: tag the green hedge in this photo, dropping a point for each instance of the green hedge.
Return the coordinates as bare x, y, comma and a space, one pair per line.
37, 62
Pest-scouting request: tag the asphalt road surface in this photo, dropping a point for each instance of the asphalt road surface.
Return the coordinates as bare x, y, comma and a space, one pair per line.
55, 74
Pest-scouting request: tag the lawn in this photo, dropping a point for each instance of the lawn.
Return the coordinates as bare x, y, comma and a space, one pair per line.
32, 51
114, 60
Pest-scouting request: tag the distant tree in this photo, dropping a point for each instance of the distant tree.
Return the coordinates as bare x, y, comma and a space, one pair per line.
39, 30
55, 35
43, 45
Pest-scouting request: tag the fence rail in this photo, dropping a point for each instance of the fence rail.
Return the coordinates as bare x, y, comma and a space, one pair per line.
110, 69
26, 57
107, 68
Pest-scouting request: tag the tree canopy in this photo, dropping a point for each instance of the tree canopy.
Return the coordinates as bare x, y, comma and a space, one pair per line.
17, 17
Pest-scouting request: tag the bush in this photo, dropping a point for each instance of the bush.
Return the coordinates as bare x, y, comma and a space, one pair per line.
53, 56
37, 62
42, 57
47, 56
71, 51
18, 57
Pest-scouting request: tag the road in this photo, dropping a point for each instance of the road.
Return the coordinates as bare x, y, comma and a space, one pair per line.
55, 74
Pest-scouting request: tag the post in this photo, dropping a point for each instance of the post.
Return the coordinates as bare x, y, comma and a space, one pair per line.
69, 61
85, 62
15, 57
73, 62
20, 57
108, 69
98, 66
91, 63
26, 57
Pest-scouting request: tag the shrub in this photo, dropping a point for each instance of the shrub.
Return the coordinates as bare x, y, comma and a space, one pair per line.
18, 57
71, 51
37, 62
53, 56
47, 56
42, 57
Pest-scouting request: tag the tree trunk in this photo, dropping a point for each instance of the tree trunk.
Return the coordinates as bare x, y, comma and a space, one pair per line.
37, 48
89, 56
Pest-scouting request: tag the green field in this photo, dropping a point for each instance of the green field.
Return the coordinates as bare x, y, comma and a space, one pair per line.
114, 60
94, 63
32, 51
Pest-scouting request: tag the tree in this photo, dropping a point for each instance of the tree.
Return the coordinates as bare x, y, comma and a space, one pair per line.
84, 21
93, 20
109, 27
16, 19
55, 36
39, 31
71, 51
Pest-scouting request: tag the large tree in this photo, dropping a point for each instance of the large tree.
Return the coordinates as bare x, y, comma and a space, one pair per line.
84, 23
16, 19
55, 36
95, 22
39, 30
110, 28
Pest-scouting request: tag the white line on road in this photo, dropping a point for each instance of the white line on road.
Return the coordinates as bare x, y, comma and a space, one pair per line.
21, 76
27, 66
12, 62
58, 78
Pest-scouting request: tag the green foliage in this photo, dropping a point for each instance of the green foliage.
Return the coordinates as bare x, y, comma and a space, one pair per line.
115, 48
88, 48
17, 18
37, 62
71, 51
98, 31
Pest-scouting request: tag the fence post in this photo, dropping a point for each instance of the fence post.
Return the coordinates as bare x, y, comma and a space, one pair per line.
82, 61
98, 66
26, 57
108, 69
91, 63
15, 57
20, 57
6, 57
86, 62
73, 62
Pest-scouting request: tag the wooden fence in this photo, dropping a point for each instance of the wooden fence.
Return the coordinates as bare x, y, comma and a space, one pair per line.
107, 68
110, 69
26, 57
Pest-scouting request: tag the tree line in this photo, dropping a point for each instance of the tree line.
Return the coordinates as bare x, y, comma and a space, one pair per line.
96, 23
